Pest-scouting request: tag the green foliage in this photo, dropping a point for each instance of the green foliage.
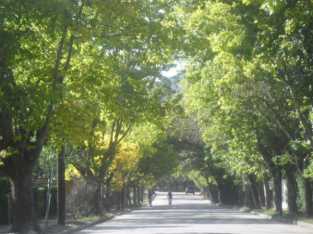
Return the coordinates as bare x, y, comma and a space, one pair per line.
308, 172
239, 78
88, 74
159, 160
198, 179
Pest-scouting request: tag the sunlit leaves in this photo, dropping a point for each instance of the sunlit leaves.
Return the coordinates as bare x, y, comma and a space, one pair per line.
125, 164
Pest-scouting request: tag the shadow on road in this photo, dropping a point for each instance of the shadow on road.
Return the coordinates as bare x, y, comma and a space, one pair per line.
190, 216
166, 217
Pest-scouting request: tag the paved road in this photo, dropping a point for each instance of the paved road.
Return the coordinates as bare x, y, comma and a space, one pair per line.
191, 215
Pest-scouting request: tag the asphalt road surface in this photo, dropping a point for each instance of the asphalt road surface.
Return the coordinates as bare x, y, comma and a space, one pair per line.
190, 214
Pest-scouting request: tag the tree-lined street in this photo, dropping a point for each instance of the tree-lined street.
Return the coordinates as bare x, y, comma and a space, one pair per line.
192, 215
103, 102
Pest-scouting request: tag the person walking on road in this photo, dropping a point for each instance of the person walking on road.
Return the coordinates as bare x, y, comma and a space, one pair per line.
170, 198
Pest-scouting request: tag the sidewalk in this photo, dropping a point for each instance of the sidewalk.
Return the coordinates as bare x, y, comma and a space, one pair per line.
191, 214
4, 229
300, 221
71, 225
74, 225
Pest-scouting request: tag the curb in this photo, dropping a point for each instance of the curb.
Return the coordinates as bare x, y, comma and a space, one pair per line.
4, 229
251, 211
84, 226
266, 216
304, 224
284, 220
73, 230
77, 229
274, 218
80, 228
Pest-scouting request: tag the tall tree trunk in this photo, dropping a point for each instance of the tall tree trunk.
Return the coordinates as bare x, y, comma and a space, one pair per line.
291, 192
108, 197
138, 195
127, 194
278, 191
308, 189
23, 219
134, 195
246, 201
245, 193
124, 197
214, 192
61, 188
99, 198
254, 192
268, 195
308, 206
252, 199
141, 194
261, 194
121, 199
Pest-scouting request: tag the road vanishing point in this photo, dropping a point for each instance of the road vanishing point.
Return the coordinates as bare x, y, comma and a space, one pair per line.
191, 214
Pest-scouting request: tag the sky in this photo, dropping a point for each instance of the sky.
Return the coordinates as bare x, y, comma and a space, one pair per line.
175, 70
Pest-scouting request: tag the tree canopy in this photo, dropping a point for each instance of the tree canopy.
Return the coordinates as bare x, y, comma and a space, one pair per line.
82, 83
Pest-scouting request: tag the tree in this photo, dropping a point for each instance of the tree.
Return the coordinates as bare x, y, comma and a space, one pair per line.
30, 91
42, 46
256, 72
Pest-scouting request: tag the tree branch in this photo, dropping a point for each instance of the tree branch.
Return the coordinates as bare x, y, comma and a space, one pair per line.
71, 41
125, 133
42, 133
41, 137
119, 126
84, 171
59, 55
276, 118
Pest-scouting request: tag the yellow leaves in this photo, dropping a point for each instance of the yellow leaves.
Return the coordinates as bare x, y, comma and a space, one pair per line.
102, 140
168, 23
71, 172
127, 158
125, 163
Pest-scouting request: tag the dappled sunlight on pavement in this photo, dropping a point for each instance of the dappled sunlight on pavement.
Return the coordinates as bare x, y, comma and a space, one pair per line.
190, 214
